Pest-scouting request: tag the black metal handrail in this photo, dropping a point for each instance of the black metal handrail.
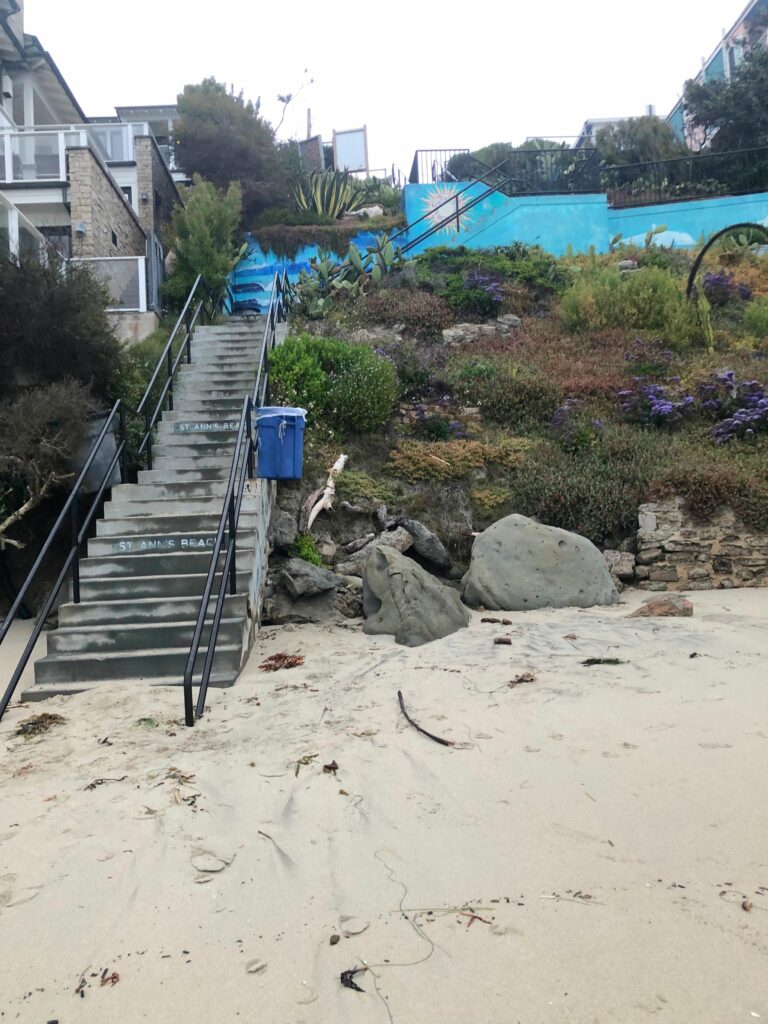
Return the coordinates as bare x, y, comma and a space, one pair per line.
69, 518
452, 198
242, 469
116, 427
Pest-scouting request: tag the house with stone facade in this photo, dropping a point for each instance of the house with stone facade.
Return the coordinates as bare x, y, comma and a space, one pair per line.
97, 190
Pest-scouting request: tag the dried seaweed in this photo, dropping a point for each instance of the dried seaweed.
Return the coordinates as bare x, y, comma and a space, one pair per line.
277, 661
347, 978
38, 724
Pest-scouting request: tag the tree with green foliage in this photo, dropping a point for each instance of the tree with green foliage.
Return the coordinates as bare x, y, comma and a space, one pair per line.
203, 236
733, 114
638, 140
223, 138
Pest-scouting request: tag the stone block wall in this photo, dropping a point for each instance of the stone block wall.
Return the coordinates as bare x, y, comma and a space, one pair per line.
674, 552
97, 202
153, 180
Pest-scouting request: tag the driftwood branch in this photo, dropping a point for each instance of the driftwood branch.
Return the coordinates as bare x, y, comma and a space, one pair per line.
34, 497
418, 728
322, 499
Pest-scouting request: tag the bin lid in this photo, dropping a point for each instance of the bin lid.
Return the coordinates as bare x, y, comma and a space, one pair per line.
280, 410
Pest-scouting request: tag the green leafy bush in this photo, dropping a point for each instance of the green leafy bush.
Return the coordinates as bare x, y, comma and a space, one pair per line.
353, 485
53, 325
513, 396
646, 300
755, 318
420, 312
306, 548
347, 386
594, 491
518, 263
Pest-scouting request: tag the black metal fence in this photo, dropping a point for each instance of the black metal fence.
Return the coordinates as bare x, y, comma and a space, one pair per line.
565, 171
430, 165
692, 177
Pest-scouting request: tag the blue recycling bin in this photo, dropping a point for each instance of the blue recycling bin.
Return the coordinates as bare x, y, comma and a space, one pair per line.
280, 442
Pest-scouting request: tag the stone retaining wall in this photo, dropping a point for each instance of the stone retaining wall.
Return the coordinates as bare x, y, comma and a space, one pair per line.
674, 552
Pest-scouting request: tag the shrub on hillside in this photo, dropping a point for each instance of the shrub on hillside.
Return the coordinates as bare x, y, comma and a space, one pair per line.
53, 325
347, 387
511, 395
645, 300
755, 319
594, 491
475, 294
420, 312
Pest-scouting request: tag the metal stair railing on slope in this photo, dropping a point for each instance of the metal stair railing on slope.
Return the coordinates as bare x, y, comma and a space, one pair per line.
76, 520
242, 469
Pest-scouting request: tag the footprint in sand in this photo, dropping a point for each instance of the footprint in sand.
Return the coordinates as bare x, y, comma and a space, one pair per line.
716, 746
209, 863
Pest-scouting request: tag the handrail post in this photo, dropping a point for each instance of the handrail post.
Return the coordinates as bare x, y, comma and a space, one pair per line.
124, 443
249, 428
233, 542
75, 516
188, 346
170, 378
148, 426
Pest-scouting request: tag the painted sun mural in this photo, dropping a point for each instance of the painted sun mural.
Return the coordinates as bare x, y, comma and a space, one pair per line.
436, 207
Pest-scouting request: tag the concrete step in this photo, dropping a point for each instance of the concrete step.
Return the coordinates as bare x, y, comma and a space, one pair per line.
184, 523
195, 448
170, 460
159, 563
163, 587
130, 637
200, 407
170, 508
223, 431
147, 610
186, 393
147, 664
168, 476
178, 490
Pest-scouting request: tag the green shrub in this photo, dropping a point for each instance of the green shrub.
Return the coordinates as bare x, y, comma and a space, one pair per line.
53, 325
522, 264
513, 396
451, 460
306, 548
645, 300
755, 318
708, 479
347, 386
420, 312
352, 485
474, 295
595, 491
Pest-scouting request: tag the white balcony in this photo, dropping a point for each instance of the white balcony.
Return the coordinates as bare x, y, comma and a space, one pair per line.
39, 153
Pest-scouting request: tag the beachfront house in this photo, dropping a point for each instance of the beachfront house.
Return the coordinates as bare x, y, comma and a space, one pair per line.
749, 30
96, 189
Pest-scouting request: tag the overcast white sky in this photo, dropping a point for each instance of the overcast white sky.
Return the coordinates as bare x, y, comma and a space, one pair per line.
419, 74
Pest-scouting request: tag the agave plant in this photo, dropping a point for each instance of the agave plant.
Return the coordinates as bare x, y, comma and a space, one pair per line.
331, 193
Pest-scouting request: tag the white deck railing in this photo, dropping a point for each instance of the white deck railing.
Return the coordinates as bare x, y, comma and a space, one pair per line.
125, 278
39, 153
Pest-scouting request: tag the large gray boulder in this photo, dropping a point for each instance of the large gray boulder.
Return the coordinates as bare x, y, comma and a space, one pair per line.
518, 565
302, 579
402, 599
426, 544
354, 565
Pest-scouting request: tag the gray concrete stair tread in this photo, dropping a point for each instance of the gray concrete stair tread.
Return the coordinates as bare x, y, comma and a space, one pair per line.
131, 637
42, 691
160, 522
143, 609
120, 588
149, 663
171, 563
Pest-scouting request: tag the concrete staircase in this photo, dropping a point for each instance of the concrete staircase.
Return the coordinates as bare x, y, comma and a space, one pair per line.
142, 579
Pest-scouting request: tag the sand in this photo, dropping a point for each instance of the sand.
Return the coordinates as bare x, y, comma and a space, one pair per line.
580, 854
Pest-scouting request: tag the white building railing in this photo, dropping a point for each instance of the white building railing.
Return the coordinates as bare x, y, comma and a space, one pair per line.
39, 153
19, 238
125, 278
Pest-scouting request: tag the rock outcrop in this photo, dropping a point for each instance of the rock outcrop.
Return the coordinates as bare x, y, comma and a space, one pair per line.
518, 565
403, 600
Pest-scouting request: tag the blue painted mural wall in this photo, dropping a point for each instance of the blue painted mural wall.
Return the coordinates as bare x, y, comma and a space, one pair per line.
578, 221
553, 222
